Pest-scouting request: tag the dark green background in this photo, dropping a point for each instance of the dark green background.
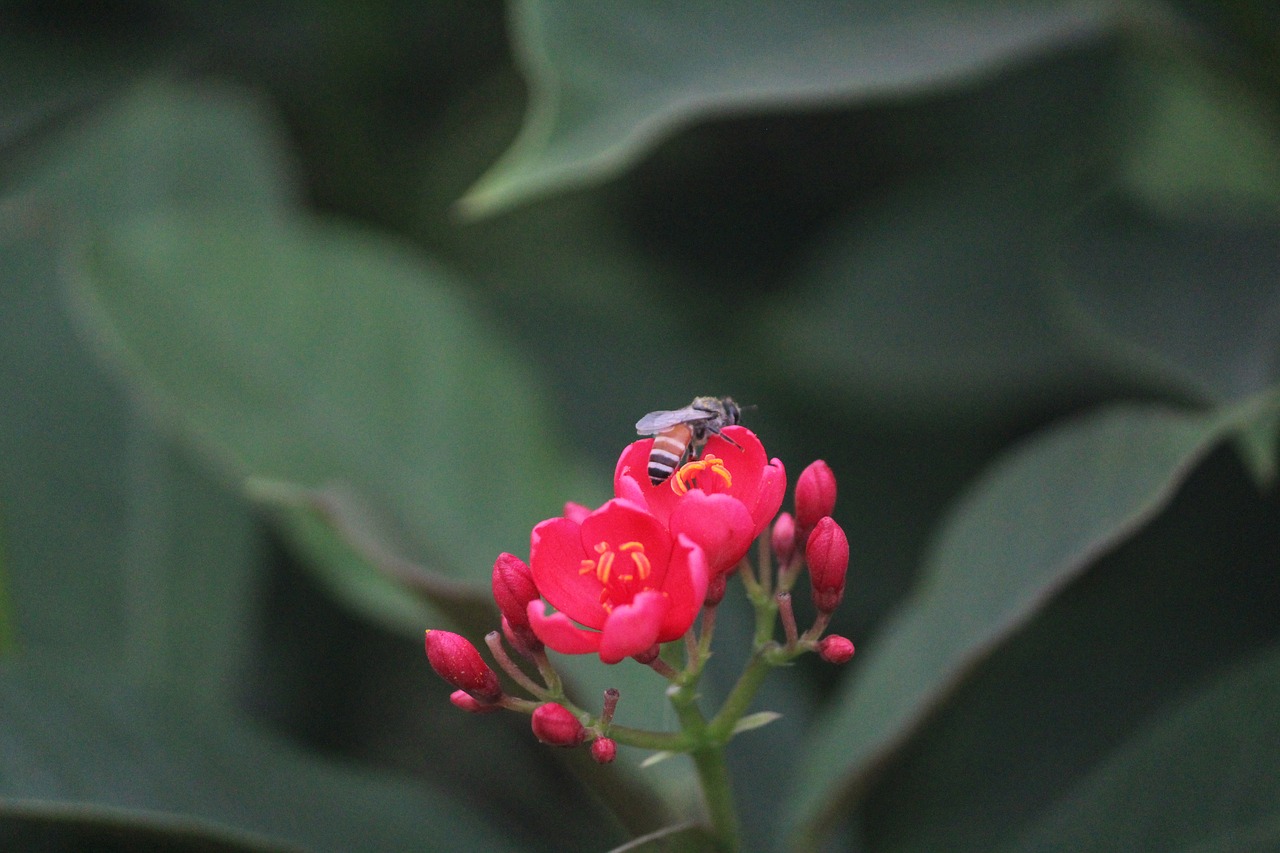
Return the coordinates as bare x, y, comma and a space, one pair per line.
286, 285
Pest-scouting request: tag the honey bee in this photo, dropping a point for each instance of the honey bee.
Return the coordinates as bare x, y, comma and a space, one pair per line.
682, 433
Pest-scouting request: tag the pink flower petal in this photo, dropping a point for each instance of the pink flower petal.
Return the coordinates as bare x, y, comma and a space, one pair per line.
719, 524
686, 587
555, 559
575, 511
560, 633
633, 628
773, 486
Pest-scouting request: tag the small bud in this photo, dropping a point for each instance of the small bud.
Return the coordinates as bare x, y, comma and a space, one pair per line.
522, 639
827, 553
513, 589
556, 725
835, 649
815, 494
716, 589
456, 661
782, 539
470, 704
604, 750
648, 656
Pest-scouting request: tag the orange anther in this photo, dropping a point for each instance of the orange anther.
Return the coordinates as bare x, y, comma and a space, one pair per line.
691, 469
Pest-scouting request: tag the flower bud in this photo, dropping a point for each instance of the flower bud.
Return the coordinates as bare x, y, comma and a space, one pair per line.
456, 661
470, 704
815, 494
513, 589
782, 539
649, 655
835, 649
716, 589
604, 750
827, 553
556, 725
522, 639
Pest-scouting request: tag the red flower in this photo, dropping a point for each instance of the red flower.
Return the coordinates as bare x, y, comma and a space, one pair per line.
620, 575
722, 501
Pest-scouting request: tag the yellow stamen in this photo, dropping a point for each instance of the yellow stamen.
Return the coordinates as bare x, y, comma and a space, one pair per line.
691, 470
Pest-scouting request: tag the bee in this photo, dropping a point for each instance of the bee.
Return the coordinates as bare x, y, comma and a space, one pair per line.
682, 433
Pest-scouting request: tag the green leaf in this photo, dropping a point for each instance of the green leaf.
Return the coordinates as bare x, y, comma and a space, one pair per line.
160, 146
933, 296
755, 721
6, 612
318, 355
1202, 142
1201, 777
75, 735
609, 78
1189, 302
681, 838
1188, 596
100, 510
44, 825
1024, 530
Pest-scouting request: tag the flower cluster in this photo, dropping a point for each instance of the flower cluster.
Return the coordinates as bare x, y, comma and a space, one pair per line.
621, 580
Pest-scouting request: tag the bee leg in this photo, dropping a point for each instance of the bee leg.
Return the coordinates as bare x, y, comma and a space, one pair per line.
725, 437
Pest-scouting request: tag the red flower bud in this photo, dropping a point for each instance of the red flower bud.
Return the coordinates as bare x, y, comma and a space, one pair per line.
604, 750
716, 589
815, 494
470, 704
522, 639
783, 538
827, 553
556, 725
456, 661
513, 589
649, 655
835, 649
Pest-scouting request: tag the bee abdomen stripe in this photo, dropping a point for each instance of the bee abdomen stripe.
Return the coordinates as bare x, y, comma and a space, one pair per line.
665, 444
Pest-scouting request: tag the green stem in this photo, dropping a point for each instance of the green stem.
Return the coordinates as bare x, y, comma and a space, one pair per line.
739, 699
713, 774
645, 739
716, 787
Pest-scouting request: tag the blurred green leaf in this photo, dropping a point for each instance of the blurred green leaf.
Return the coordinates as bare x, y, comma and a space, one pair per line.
933, 296
681, 838
75, 735
160, 145
6, 613
1190, 595
1201, 778
607, 79
1203, 143
319, 355
41, 82
1192, 302
45, 825
1025, 529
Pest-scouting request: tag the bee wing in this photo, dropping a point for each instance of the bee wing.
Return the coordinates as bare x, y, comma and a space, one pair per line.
656, 422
